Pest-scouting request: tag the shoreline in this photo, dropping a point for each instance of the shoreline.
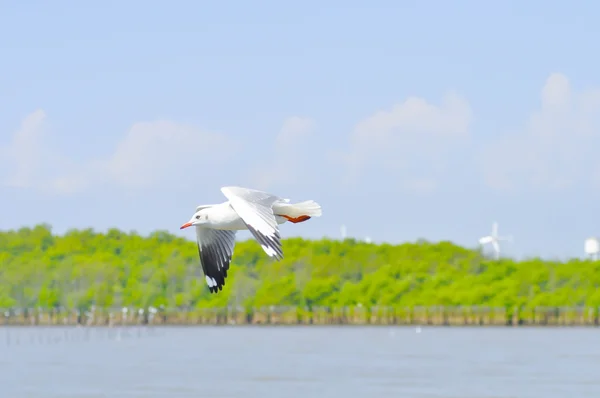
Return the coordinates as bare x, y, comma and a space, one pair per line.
442, 316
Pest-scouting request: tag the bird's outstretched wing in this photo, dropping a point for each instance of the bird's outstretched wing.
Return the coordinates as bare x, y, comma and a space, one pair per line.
215, 248
256, 210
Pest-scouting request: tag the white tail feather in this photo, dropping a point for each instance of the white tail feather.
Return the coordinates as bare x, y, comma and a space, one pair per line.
307, 208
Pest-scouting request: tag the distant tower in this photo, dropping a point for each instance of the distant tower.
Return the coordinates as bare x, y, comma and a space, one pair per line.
592, 248
343, 231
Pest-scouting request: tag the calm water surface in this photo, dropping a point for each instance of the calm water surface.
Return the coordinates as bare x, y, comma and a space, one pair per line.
302, 362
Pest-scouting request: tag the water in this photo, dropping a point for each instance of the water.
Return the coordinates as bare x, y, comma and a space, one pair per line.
253, 362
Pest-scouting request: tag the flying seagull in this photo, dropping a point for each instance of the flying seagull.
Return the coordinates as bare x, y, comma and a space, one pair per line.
257, 211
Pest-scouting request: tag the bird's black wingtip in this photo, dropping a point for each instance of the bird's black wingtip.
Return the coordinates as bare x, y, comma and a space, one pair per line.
216, 289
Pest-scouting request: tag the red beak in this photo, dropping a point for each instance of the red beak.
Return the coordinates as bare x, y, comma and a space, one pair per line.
187, 224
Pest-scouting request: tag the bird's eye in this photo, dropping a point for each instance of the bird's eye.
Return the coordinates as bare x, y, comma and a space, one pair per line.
197, 217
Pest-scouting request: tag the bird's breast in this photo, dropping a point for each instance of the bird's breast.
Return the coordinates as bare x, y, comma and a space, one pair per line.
224, 217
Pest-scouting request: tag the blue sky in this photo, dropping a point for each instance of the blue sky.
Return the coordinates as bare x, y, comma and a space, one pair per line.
403, 119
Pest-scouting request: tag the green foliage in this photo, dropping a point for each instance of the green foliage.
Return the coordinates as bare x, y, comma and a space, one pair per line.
84, 268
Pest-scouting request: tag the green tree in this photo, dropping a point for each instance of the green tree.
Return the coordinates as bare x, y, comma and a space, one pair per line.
82, 268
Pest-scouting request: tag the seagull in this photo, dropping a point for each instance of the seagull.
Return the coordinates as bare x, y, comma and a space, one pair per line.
245, 209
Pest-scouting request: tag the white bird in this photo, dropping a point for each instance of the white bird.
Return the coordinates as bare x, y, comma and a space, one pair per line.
257, 211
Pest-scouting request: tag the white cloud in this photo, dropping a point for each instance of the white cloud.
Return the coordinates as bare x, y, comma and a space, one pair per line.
153, 152
150, 153
25, 152
414, 134
29, 160
292, 143
557, 146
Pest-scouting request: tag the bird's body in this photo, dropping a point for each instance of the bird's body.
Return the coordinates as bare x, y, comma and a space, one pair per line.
224, 217
246, 209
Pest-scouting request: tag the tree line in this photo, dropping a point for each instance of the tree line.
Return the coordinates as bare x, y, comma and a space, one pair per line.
84, 268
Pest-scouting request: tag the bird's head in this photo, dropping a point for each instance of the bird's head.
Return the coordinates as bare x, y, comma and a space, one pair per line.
200, 217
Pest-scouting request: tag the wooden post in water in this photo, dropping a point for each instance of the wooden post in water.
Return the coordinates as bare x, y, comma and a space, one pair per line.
324, 315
